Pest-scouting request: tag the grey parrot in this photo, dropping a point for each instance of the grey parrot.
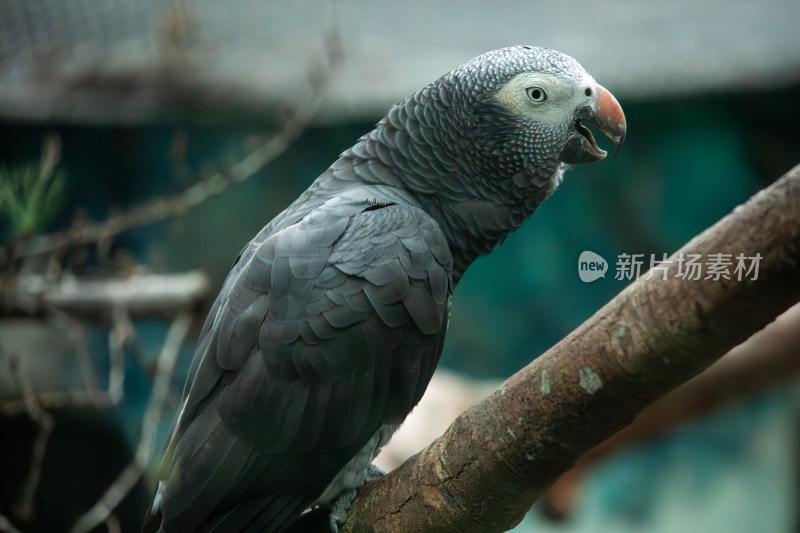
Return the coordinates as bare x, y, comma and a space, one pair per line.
331, 322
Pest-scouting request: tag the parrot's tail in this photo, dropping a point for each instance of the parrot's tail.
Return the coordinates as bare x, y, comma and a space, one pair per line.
273, 514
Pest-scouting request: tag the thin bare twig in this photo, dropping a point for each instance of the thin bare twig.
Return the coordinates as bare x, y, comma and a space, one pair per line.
49, 291
77, 336
93, 397
25, 506
6, 526
121, 334
112, 524
100, 511
59, 400
162, 208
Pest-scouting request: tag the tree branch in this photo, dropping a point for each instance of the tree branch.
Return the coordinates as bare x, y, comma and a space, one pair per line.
103, 508
498, 457
767, 359
25, 504
7, 526
141, 293
319, 72
91, 396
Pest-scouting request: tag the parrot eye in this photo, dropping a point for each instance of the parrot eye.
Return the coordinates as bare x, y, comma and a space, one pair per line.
588, 92
536, 94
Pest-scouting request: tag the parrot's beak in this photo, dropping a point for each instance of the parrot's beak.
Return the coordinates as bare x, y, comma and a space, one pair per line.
609, 118
607, 115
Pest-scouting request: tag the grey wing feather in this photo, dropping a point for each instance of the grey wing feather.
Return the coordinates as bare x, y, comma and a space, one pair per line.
324, 330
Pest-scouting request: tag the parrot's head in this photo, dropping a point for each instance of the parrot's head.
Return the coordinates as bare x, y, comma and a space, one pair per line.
527, 110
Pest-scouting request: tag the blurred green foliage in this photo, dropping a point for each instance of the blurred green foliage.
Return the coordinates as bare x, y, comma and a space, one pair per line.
32, 195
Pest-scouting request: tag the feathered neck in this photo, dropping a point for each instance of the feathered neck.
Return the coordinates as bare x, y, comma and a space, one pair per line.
425, 149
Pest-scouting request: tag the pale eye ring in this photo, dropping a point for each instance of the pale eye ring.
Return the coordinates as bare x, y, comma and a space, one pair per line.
536, 94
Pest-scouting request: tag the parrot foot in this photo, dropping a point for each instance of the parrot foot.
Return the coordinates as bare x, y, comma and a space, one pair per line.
339, 509
340, 506
374, 472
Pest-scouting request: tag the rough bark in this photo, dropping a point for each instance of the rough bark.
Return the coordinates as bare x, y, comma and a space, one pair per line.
498, 457
768, 359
